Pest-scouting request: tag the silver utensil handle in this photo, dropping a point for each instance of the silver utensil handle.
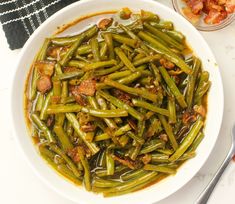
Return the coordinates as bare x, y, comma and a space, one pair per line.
205, 195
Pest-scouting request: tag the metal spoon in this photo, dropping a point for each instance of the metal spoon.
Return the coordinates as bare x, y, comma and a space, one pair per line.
205, 195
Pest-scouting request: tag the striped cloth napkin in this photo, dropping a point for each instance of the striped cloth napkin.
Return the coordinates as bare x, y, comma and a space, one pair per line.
20, 18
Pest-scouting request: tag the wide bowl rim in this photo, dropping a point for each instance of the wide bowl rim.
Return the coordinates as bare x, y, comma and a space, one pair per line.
14, 122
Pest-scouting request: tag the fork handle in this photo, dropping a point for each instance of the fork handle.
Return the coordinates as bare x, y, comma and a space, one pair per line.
205, 195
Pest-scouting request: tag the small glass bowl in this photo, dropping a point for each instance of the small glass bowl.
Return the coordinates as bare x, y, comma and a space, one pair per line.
201, 25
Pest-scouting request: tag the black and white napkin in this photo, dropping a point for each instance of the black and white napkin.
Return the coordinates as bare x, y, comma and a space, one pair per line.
20, 18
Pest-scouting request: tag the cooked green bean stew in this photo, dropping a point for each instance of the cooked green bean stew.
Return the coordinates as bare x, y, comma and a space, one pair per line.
118, 106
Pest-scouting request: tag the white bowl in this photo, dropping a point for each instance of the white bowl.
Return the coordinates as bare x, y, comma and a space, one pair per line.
165, 187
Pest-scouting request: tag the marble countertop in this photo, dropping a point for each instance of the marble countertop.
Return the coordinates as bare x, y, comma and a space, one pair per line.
18, 183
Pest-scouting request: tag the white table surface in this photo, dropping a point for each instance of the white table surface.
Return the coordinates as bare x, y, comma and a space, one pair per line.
18, 183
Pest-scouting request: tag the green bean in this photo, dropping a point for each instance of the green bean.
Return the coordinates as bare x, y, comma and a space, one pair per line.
132, 183
42, 54
168, 129
48, 160
109, 122
83, 59
101, 137
148, 106
126, 73
42, 126
101, 162
163, 44
95, 49
135, 137
68, 99
164, 37
178, 36
46, 152
165, 151
69, 54
108, 38
122, 130
154, 128
131, 78
33, 84
63, 138
149, 16
135, 152
76, 63
109, 163
104, 183
53, 109
56, 88
77, 81
132, 174
123, 140
147, 59
109, 70
203, 86
152, 145
134, 36
69, 129
71, 39
153, 41
103, 50
189, 138
197, 141
93, 102
39, 103
83, 50
133, 91
64, 170
117, 119
126, 48
171, 84
125, 40
68, 75
162, 169
191, 83
118, 75
64, 91
60, 152
86, 167
167, 25
98, 65
58, 69
187, 155
72, 119
103, 172
124, 59
145, 183
46, 103
122, 105
159, 158
172, 109
160, 49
